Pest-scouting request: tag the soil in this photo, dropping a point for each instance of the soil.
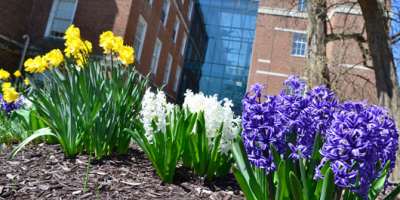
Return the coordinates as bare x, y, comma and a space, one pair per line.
42, 172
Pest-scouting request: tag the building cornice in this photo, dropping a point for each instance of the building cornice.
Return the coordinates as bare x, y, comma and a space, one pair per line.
285, 12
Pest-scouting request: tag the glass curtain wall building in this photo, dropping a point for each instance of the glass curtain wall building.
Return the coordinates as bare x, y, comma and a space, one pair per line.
230, 28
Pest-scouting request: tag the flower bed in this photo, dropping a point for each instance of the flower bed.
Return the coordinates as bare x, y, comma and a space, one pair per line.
42, 172
301, 144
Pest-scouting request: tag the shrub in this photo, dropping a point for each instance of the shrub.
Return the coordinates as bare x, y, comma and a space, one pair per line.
207, 148
87, 102
161, 133
307, 145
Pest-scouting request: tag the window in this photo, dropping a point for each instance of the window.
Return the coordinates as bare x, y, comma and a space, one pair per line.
167, 71
156, 56
165, 12
191, 5
176, 30
302, 6
140, 36
183, 47
61, 16
177, 78
299, 44
150, 2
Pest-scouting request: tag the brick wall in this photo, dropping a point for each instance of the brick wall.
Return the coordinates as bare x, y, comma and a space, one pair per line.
272, 61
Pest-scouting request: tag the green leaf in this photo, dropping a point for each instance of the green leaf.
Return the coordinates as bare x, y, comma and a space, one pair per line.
379, 183
247, 173
328, 186
244, 185
36, 134
282, 188
304, 179
295, 186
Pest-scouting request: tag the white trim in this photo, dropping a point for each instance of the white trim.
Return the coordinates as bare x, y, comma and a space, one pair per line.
177, 26
167, 72
287, 12
191, 8
166, 14
290, 30
282, 12
263, 61
154, 66
184, 42
142, 39
346, 9
51, 17
355, 66
272, 73
178, 75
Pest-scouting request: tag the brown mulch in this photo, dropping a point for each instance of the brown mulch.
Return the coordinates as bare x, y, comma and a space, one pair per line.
42, 172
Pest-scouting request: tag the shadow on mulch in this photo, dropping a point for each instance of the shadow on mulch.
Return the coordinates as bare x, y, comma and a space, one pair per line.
42, 172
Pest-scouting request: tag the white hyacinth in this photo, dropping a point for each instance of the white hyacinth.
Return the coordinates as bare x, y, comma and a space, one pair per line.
216, 113
154, 109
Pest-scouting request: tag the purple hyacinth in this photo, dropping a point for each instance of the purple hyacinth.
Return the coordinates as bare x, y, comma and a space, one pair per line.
262, 127
9, 107
359, 143
294, 86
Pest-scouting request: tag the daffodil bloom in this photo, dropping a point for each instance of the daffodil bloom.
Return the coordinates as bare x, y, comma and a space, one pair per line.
17, 74
26, 81
109, 42
72, 32
35, 65
75, 47
54, 57
5, 85
4, 75
10, 95
126, 55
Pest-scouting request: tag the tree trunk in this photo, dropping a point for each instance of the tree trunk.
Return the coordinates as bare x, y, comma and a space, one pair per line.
317, 68
377, 28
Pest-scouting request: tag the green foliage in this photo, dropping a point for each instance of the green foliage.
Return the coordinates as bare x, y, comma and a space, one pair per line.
165, 149
87, 109
10, 130
294, 180
201, 156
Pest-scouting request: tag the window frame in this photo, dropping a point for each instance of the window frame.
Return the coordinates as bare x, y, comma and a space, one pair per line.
167, 72
177, 26
178, 76
184, 43
154, 63
140, 50
51, 17
190, 11
297, 44
166, 13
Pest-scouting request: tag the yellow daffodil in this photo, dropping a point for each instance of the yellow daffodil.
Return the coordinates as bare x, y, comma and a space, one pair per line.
17, 74
5, 86
54, 57
4, 75
109, 42
36, 65
75, 47
126, 55
72, 32
27, 82
88, 47
10, 95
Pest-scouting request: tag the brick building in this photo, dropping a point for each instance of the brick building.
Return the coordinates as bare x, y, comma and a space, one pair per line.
158, 29
280, 48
